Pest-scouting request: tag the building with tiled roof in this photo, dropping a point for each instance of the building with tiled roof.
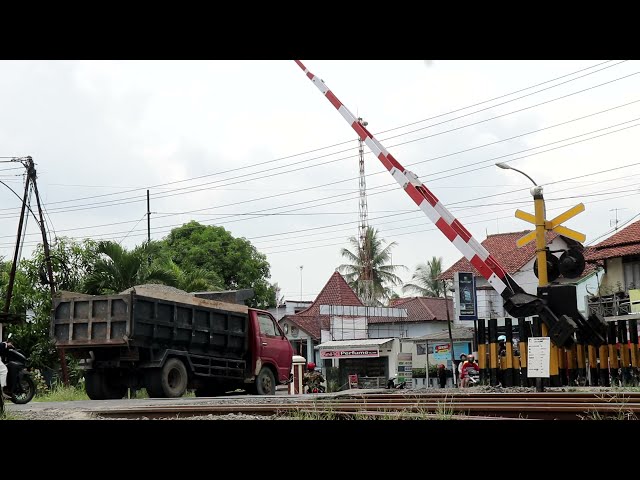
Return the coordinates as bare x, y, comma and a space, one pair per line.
620, 254
518, 262
425, 315
304, 328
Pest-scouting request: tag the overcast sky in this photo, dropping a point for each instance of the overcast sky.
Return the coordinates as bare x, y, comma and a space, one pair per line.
228, 142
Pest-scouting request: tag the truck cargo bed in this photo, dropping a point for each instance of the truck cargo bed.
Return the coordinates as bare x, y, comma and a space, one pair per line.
144, 318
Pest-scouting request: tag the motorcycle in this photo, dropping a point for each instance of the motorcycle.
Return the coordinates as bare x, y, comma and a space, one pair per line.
392, 384
315, 389
21, 387
474, 378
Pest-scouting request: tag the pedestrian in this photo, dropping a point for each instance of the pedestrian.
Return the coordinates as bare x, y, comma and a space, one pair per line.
463, 358
442, 376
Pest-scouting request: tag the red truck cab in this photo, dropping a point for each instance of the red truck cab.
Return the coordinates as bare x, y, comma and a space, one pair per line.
273, 353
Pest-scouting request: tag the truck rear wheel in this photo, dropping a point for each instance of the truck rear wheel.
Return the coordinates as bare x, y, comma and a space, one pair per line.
265, 382
93, 385
170, 381
100, 386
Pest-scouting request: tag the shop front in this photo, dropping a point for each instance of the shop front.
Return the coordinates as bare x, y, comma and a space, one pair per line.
368, 363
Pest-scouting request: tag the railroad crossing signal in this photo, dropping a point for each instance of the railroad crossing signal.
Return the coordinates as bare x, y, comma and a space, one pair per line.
554, 224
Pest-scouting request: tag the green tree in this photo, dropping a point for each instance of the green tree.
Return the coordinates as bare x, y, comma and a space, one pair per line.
425, 279
117, 268
382, 272
235, 261
194, 279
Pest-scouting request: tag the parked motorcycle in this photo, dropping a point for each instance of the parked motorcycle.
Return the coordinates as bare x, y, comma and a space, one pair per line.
392, 384
21, 387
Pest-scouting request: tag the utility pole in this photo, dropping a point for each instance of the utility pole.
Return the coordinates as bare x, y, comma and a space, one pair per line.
31, 182
47, 259
446, 306
301, 266
148, 218
148, 225
14, 265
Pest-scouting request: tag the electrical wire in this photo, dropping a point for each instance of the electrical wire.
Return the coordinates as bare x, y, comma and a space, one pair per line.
314, 158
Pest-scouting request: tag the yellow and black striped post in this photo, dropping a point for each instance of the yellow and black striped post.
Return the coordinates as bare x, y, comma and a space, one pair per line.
537, 332
524, 335
493, 351
580, 358
572, 364
633, 338
592, 354
625, 362
613, 353
554, 372
482, 351
562, 365
506, 362
603, 367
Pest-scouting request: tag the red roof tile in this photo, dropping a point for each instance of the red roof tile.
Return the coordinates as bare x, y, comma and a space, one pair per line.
502, 246
612, 252
335, 292
624, 242
628, 235
419, 309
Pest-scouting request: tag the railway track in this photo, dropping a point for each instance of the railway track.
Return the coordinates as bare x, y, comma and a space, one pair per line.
459, 406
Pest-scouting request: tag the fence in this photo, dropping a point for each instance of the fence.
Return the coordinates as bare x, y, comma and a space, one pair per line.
611, 364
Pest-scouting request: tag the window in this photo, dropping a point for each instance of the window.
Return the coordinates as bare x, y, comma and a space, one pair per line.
266, 326
421, 348
631, 274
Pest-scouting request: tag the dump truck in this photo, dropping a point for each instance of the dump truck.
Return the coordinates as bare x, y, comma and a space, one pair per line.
168, 342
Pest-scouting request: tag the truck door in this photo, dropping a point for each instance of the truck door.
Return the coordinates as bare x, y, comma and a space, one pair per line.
275, 348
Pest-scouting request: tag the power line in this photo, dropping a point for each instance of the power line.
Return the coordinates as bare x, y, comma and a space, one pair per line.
322, 156
394, 128
158, 229
96, 205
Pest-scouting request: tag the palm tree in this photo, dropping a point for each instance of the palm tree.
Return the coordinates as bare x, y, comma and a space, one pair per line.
425, 278
118, 269
194, 279
378, 269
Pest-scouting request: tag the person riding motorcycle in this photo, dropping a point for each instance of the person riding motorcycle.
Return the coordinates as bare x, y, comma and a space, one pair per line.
312, 378
4, 371
468, 366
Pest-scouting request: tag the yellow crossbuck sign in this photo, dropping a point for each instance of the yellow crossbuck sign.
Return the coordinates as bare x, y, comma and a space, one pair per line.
553, 224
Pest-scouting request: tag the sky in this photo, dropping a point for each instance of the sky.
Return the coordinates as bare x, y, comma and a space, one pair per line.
254, 147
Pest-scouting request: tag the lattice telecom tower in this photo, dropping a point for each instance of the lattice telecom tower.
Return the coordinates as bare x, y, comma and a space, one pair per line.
365, 281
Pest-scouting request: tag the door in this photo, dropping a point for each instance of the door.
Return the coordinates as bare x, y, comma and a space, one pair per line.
276, 348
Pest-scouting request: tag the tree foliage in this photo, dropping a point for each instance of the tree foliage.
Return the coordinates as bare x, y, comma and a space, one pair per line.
425, 279
235, 261
382, 271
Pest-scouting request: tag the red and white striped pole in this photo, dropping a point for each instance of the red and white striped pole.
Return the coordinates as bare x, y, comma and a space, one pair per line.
473, 251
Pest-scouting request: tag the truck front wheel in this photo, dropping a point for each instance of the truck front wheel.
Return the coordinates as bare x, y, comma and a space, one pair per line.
170, 381
265, 382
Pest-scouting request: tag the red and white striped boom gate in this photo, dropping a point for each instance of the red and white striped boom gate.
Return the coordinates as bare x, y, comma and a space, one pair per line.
517, 302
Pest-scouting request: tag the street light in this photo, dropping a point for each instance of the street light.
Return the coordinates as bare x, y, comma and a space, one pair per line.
301, 267
540, 215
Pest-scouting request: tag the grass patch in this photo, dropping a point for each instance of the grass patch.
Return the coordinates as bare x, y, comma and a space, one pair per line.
10, 416
60, 393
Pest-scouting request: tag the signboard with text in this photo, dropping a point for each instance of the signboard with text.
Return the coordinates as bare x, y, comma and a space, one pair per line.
350, 353
538, 356
465, 286
405, 369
